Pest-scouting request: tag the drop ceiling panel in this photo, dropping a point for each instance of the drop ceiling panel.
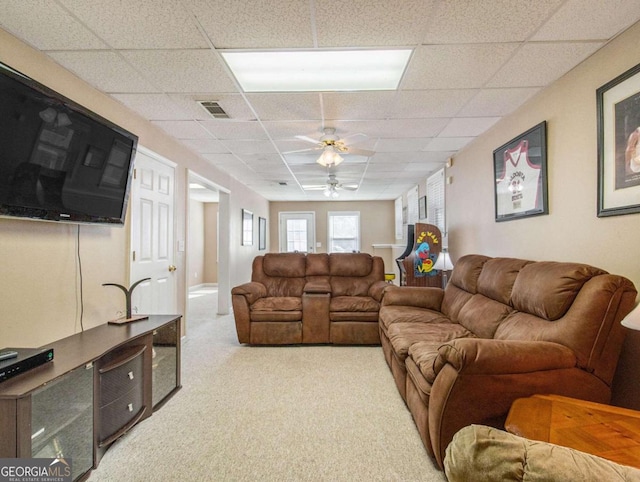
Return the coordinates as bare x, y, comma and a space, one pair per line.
33, 20
505, 21
221, 159
589, 19
468, 126
371, 23
229, 129
401, 145
497, 102
184, 129
141, 24
455, 66
430, 103
182, 70
539, 64
249, 147
357, 105
450, 144
256, 24
206, 146
105, 69
154, 106
289, 107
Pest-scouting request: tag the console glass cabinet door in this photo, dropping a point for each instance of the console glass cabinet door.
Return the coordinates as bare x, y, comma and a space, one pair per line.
165, 362
62, 420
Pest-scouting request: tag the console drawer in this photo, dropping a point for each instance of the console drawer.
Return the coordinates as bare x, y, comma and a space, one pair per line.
117, 414
121, 374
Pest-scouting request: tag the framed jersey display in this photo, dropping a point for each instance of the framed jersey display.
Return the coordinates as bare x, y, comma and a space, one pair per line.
618, 103
520, 168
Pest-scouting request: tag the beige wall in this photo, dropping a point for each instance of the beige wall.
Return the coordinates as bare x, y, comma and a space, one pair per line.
39, 290
210, 242
196, 252
376, 223
571, 231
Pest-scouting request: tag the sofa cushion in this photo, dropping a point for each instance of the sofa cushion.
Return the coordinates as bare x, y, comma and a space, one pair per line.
424, 354
547, 288
498, 276
353, 303
403, 336
391, 314
482, 315
286, 265
466, 272
350, 264
317, 264
284, 303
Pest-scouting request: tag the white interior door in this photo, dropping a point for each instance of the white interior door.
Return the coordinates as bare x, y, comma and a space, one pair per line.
152, 232
297, 232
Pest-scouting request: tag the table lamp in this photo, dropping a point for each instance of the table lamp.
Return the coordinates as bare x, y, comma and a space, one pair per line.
444, 264
632, 320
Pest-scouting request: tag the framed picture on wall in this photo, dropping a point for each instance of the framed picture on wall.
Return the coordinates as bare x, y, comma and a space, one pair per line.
247, 228
618, 107
520, 168
262, 233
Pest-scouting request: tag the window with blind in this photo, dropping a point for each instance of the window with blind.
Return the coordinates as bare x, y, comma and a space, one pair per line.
344, 232
436, 200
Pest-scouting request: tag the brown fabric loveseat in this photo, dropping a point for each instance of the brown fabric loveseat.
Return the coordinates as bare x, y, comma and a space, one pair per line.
315, 298
502, 329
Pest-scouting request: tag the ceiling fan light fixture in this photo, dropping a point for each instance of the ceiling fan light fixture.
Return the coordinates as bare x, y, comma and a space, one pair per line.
329, 157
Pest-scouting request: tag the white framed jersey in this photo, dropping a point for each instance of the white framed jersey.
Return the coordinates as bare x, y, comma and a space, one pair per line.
517, 188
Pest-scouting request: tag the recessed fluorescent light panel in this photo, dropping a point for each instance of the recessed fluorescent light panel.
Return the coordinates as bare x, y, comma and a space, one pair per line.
317, 70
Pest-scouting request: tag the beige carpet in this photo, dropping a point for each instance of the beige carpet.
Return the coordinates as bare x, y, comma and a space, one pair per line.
308, 413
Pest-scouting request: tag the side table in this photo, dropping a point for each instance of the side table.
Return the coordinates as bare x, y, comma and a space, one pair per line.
609, 432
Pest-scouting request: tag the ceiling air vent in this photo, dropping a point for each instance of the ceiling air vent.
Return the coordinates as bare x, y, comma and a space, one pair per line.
213, 108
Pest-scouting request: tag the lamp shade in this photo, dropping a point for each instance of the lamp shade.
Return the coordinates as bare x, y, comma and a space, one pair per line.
632, 320
329, 157
443, 262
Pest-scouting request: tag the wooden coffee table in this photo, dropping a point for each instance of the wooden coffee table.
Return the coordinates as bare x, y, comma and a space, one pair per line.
609, 432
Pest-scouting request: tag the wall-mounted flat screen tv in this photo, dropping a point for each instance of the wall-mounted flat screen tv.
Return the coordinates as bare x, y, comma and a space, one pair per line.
58, 160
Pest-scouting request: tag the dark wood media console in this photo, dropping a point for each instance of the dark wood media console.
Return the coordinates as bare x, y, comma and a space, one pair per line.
100, 383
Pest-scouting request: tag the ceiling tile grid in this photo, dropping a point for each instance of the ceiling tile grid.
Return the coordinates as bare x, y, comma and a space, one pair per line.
472, 64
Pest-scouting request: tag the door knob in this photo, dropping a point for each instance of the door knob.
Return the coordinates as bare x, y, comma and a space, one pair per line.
172, 268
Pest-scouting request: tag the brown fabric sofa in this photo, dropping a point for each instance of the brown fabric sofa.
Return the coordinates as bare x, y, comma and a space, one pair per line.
315, 298
502, 329
485, 454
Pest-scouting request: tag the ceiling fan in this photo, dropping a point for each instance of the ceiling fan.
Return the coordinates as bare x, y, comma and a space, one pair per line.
331, 188
331, 146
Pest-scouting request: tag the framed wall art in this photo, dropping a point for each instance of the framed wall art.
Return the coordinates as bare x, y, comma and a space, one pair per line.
618, 107
262, 234
520, 168
247, 228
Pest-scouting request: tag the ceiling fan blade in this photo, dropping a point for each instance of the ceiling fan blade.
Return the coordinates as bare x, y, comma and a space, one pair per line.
310, 149
359, 152
314, 187
349, 187
308, 139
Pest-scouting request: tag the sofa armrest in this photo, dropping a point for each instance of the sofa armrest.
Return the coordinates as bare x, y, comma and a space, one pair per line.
317, 287
252, 291
376, 290
481, 356
420, 297
477, 380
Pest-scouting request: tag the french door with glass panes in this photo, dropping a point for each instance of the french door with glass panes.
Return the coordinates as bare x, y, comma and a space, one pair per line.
297, 232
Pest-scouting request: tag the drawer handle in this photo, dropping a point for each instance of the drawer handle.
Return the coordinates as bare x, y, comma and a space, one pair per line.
130, 375
130, 407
